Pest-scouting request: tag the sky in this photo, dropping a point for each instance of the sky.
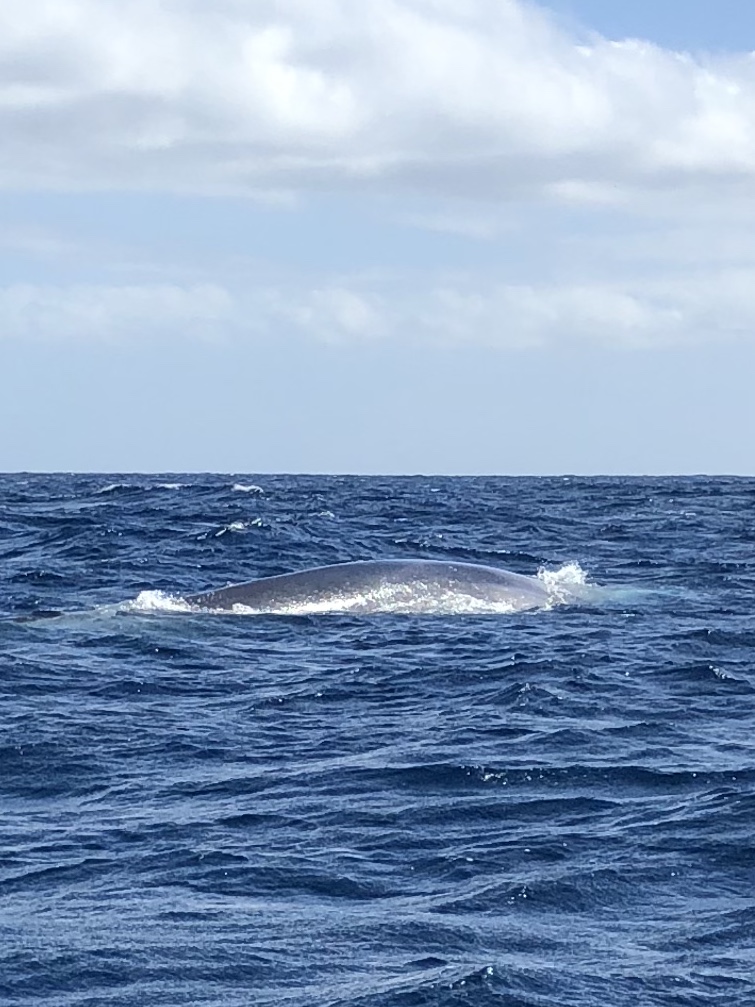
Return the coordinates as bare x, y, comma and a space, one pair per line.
392, 236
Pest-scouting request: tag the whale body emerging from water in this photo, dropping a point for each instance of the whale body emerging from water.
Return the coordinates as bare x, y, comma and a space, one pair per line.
401, 586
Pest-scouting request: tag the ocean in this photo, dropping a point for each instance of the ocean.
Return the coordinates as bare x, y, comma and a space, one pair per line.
550, 808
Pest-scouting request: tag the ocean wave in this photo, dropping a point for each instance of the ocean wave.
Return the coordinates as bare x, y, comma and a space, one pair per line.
247, 488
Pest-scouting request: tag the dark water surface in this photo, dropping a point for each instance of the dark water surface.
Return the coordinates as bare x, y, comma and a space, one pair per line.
547, 809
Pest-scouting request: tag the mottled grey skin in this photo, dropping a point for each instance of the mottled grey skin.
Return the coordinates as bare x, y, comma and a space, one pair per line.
382, 585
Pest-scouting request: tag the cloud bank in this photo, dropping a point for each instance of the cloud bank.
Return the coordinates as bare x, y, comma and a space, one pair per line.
483, 98
454, 312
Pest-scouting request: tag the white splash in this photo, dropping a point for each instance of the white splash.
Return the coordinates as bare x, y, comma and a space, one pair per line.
390, 599
238, 526
566, 584
155, 601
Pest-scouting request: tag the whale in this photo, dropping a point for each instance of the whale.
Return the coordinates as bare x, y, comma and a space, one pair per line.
411, 586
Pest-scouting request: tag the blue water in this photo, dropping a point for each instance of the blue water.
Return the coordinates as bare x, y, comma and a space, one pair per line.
548, 808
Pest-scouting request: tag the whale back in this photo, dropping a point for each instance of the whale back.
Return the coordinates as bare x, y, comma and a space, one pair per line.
415, 586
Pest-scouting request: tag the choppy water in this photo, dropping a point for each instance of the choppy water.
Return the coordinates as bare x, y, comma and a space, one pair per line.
547, 809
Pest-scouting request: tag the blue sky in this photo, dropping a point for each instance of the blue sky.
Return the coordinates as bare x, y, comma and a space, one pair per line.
448, 236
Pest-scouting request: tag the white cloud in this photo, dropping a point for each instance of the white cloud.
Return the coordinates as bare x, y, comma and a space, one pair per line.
334, 314
112, 313
449, 311
484, 98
